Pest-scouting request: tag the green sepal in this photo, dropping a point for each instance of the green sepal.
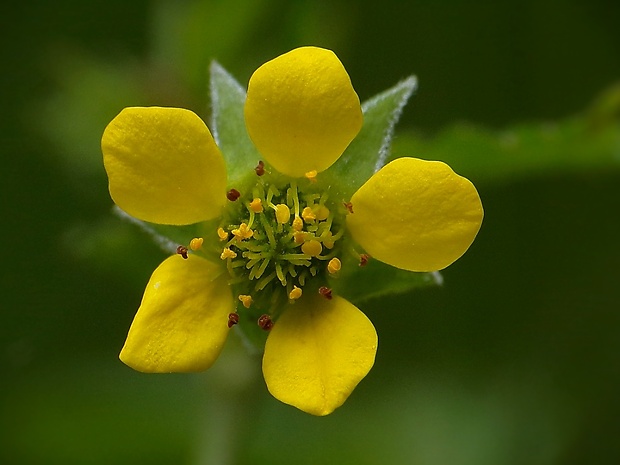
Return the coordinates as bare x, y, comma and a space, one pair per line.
169, 237
377, 279
228, 127
370, 149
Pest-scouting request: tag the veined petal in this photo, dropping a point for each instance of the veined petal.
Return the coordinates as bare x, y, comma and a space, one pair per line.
416, 215
317, 352
182, 322
301, 111
163, 165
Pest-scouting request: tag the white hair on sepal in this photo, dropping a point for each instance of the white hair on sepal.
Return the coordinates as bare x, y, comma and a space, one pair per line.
406, 88
163, 242
437, 278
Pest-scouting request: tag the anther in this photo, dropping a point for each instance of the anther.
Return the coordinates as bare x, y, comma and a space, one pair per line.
312, 248
246, 300
322, 213
311, 175
283, 213
334, 265
265, 322
233, 319
256, 205
233, 195
182, 251
328, 240
325, 292
260, 168
299, 237
223, 235
243, 232
298, 224
364, 258
308, 215
295, 293
196, 243
348, 206
227, 253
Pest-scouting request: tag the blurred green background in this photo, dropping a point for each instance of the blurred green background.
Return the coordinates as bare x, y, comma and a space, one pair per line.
514, 360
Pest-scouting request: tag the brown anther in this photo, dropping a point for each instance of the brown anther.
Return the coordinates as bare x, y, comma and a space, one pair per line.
233, 319
325, 292
233, 195
265, 322
260, 168
182, 251
364, 259
348, 206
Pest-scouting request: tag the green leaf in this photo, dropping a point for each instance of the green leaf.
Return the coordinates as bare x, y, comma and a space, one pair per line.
377, 279
228, 126
590, 141
369, 150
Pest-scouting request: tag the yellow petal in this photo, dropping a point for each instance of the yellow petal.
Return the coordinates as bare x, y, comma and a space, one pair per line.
301, 110
317, 352
416, 215
163, 166
182, 322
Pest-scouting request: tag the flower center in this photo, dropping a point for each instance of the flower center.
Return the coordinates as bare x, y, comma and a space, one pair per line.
279, 237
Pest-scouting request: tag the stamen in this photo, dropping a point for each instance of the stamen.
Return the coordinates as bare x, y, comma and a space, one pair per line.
298, 224
295, 198
271, 193
196, 243
265, 322
348, 206
227, 253
299, 237
325, 292
256, 205
233, 319
246, 300
223, 235
233, 195
283, 213
295, 293
312, 248
311, 175
243, 232
260, 168
322, 213
328, 240
182, 251
308, 215
251, 220
334, 265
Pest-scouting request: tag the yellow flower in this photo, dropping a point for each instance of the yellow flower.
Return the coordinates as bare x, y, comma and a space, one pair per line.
301, 112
